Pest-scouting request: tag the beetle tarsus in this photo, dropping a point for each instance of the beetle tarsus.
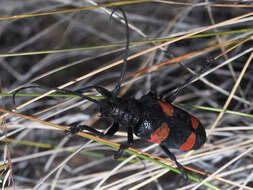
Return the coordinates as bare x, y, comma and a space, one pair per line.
75, 129
119, 153
173, 158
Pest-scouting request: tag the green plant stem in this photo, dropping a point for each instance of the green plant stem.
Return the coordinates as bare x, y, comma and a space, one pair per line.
101, 97
49, 146
119, 44
106, 142
215, 110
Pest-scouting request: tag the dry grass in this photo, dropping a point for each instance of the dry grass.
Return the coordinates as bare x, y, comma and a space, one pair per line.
73, 44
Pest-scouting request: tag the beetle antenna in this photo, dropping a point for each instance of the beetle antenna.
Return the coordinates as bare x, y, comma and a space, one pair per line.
57, 90
123, 71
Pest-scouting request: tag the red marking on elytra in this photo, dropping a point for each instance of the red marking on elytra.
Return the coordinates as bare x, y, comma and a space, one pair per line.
167, 108
160, 134
195, 122
189, 142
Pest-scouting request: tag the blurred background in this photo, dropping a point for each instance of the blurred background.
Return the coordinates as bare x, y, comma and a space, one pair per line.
76, 44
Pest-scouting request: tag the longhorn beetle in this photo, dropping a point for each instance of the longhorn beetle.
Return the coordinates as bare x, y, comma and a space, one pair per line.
154, 119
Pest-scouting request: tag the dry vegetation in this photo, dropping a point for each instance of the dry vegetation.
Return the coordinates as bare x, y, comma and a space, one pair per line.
74, 48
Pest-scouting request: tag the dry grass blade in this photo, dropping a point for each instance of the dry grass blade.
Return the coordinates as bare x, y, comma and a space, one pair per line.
222, 113
73, 44
130, 150
61, 165
98, 139
233, 91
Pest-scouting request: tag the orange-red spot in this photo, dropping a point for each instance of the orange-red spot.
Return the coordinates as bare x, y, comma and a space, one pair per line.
160, 134
195, 122
189, 142
167, 108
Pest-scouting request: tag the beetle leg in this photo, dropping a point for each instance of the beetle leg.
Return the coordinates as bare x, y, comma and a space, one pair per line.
130, 136
172, 157
113, 129
153, 93
130, 142
75, 129
171, 96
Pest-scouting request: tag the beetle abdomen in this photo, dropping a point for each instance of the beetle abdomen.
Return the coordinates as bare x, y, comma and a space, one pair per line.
177, 129
186, 131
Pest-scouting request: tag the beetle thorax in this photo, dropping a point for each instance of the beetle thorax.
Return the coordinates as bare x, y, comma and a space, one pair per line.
120, 110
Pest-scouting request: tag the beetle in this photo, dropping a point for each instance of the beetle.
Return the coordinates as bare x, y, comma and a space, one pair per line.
151, 118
